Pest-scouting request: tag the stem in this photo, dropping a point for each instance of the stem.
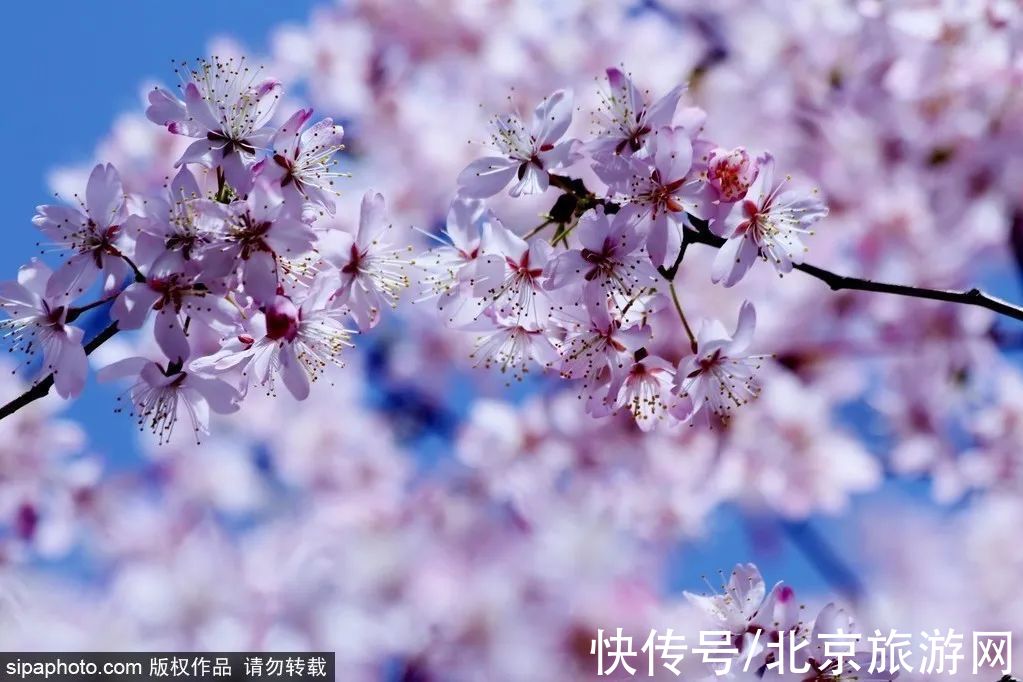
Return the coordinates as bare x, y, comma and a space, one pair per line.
223, 194
669, 273
536, 230
682, 316
75, 312
139, 277
41, 389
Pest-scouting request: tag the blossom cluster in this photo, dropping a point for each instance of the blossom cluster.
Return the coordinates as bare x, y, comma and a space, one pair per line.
575, 293
227, 266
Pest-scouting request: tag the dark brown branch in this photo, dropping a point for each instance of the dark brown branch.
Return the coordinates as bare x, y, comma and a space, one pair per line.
41, 389
838, 282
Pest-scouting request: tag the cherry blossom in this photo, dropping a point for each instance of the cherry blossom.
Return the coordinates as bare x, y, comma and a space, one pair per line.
293, 342
643, 389
93, 233
227, 268
182, 226
599, 342
38, 322
261, 237
510, 344
519, 292
660, 188
745, 606
768, 224
371, 267
625, 118
226, 108
719, 376
162, 395
302, 160
311, 530
610, 258
180, 299
458, 271
528, 155
731, 172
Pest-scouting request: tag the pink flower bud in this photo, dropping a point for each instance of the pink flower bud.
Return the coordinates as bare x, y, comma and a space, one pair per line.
731, 172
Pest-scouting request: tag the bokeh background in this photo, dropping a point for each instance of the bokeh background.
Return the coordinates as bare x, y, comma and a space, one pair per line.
893, 113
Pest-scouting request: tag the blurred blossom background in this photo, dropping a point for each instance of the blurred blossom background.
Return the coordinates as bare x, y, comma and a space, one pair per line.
428, 522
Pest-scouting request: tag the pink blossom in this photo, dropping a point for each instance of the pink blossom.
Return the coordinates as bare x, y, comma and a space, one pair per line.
626, 119
39, 322
458, 273
303, 160
93, 233
293, 342
744, 605
372, 269
161, 395
720, 375
226, 108
261, 237
660, 187
527, 154
186, 224
767, 224
731, 172
600, 343
610, 259
643, 388
519, 293
510, 344
180, 300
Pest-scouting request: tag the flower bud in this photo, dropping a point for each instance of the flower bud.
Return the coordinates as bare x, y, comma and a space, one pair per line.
731, 172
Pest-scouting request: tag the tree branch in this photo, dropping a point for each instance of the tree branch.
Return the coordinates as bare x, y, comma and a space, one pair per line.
41, 389
838, 282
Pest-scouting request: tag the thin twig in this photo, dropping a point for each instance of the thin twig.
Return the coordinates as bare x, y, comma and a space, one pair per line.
139, 277
682, 316
837, 282
75, 312
539, 228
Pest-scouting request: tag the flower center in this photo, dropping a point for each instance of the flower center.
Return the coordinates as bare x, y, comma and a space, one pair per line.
282, 319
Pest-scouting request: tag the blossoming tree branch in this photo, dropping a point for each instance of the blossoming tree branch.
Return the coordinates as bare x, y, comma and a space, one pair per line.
241, 285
